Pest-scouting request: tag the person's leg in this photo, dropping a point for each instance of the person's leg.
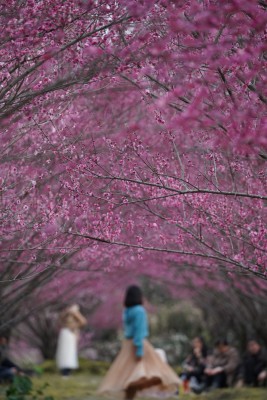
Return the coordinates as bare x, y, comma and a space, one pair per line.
6, 374
196, 384
219, 380
251, 373
199, 377
9, 364
185, 381
208, 379
65, 371
130, 393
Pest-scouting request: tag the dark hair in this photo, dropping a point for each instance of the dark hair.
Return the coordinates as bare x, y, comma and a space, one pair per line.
222, 341
204, 350
133, 296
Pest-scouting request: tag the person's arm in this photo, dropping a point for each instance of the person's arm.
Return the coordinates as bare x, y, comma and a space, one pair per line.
140, 327
232, 363
62, 317
261, 368
187, 364
209, 364
80, 318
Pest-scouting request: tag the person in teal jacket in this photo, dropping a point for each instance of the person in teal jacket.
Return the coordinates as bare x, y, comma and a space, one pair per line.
135, 319
138, 368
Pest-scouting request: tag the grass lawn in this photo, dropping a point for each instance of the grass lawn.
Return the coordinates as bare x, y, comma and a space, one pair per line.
83, 386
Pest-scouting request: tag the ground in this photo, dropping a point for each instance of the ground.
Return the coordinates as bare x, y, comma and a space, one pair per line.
83, 386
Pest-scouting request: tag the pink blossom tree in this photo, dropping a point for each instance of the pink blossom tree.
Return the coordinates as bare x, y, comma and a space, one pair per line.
133, 139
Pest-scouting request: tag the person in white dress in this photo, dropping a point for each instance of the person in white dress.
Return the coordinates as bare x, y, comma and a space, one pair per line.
71, 320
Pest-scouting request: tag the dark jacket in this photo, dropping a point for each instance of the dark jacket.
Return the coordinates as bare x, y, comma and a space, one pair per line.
197, 363
252, 366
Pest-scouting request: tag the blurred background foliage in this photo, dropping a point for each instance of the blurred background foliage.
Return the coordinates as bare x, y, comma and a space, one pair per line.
174, 321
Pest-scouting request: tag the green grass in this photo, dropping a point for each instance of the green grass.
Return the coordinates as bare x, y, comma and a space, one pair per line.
82, 385
85, 366
234, 394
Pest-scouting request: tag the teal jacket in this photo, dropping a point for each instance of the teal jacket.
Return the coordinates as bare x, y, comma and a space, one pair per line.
136, 327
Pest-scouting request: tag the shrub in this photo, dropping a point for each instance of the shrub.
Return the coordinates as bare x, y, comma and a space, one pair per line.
22, 389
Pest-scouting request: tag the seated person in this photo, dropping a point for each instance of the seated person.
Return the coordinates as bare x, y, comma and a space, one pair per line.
194, 365
7, 368
253, 369
222, 366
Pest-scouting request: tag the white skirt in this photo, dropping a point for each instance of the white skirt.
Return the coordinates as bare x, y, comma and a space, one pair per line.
67, 349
